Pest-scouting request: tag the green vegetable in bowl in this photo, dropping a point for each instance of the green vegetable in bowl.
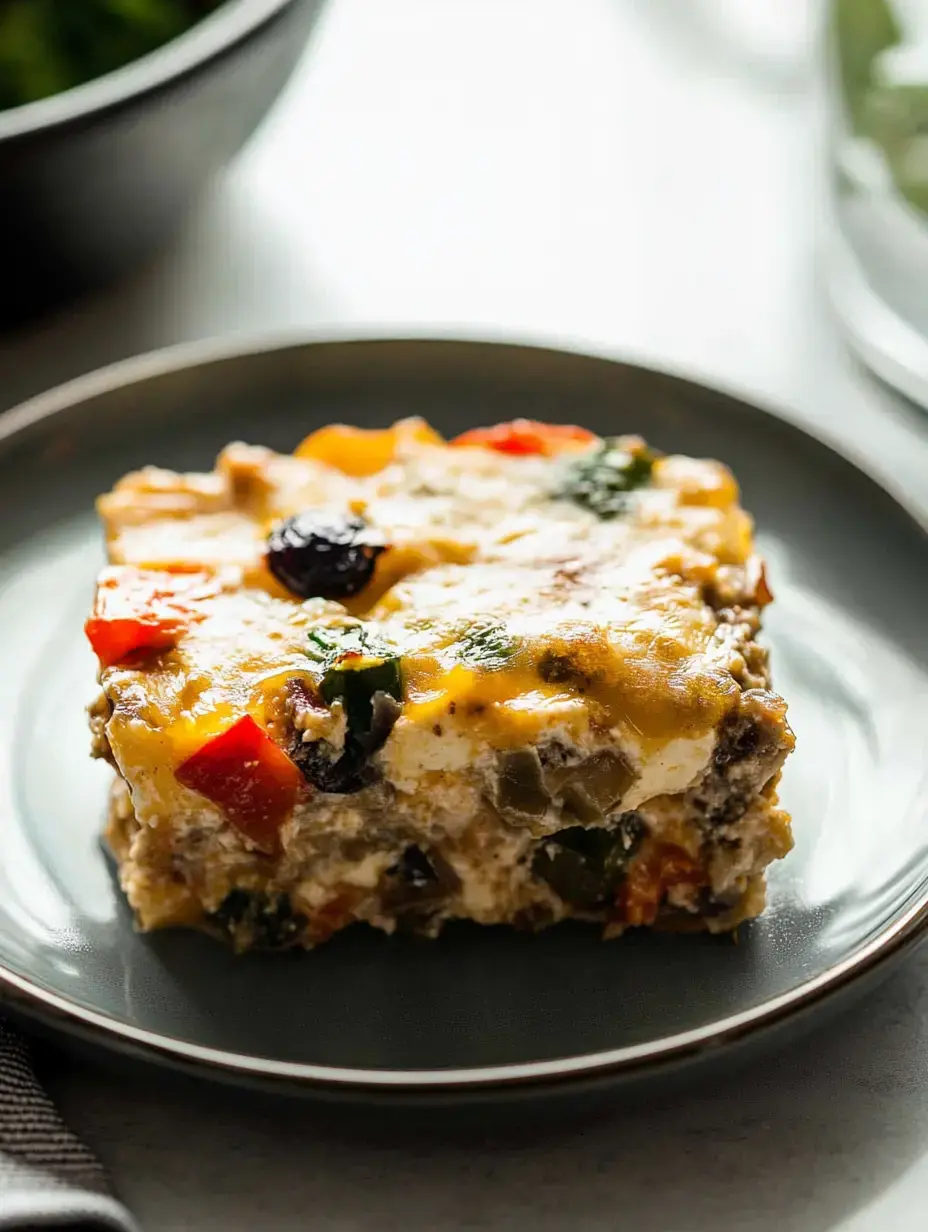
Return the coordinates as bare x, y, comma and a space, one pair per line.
47, 46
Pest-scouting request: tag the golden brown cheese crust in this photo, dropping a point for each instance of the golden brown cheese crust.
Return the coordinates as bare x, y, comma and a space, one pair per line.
633, 641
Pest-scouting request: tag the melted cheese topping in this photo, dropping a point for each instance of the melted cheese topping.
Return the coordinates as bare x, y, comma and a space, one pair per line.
473, 534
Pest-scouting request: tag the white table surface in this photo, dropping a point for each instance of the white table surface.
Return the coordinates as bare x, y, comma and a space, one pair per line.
644, 177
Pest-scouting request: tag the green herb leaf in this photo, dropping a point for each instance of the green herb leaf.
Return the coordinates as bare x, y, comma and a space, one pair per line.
602, 481
328, 645
486, 645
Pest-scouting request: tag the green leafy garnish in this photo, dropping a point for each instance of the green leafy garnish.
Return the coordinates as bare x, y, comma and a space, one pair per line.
328, 645
602, 481
486, 645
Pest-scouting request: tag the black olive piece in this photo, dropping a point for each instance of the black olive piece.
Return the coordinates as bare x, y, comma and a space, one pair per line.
323, 555
520, 789
350, 771
252, 918
585, 866
418, 881
333, 772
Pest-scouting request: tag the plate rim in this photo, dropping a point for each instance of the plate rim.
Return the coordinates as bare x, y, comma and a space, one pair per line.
26, 998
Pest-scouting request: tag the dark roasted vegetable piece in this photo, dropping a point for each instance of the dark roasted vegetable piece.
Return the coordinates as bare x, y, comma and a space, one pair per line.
356, 683
252, 919
741, 737
521, 794
355, 667
365, 675
585, 867
419, 881
588, 790
594, 788
350, 771
331, 771
385, 710
601, 481
323, 555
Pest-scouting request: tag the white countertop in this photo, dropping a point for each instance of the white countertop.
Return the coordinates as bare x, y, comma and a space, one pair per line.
645, 177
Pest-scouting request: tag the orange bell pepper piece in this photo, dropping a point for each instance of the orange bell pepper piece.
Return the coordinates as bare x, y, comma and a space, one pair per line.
364, 451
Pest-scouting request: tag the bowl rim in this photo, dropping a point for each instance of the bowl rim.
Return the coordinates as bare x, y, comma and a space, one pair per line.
896, 938
214, 36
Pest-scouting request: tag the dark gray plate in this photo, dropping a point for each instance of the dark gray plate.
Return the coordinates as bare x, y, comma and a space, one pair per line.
482, 1011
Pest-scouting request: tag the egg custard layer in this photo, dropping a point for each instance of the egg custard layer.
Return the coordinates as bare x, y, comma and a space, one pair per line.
510, 679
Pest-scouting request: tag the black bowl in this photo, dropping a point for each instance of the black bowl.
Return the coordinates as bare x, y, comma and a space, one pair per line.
95, 178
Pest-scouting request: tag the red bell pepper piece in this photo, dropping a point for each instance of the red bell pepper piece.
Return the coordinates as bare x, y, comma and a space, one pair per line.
249, 777
143, 610
643, 890
527, 436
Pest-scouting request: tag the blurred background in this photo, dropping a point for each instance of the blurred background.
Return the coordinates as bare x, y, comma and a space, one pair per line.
647, 178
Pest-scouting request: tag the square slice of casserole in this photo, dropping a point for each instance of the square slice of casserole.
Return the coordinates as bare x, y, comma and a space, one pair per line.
511, 679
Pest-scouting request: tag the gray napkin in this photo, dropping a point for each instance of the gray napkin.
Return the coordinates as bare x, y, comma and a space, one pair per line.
48, 1179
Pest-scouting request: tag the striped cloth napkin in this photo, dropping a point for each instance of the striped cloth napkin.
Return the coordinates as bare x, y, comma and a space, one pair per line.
48, 1179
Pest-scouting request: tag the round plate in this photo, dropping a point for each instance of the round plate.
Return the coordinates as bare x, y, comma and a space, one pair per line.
482, 1011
